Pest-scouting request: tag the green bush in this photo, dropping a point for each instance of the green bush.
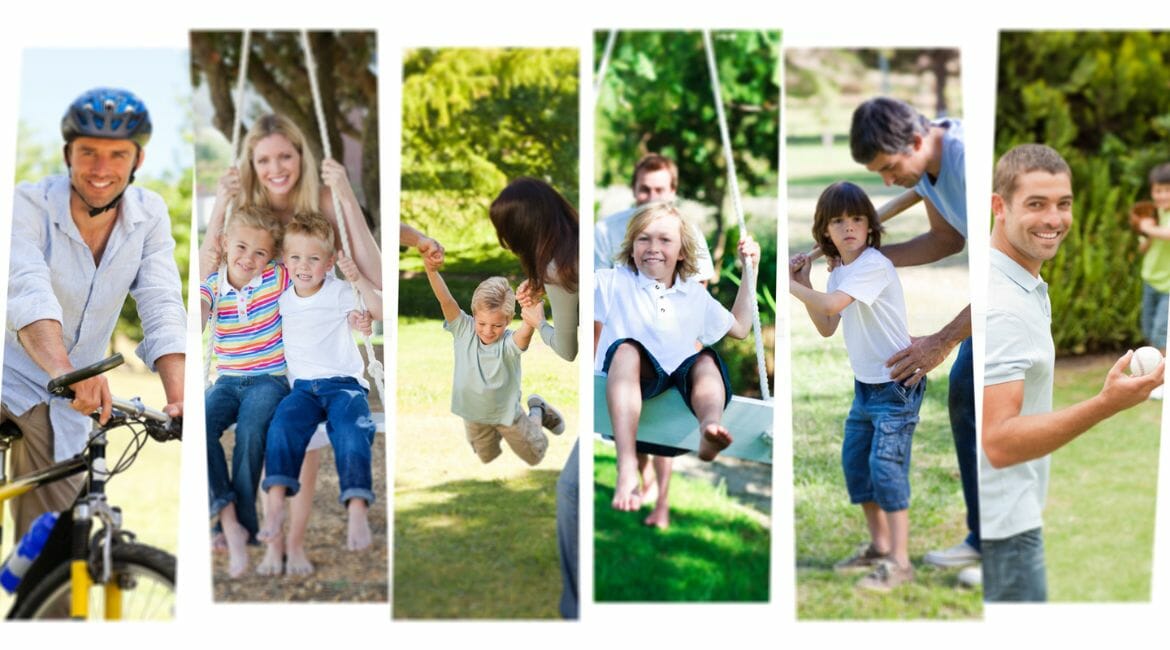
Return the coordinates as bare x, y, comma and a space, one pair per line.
1099, 98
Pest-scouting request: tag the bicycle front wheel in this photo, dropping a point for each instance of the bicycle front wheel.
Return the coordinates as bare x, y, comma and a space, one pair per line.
145, 574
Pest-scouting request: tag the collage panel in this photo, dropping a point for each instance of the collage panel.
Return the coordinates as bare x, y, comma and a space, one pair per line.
883, 413
96, 288
485, 476
1076, 316
686, 153
287, 193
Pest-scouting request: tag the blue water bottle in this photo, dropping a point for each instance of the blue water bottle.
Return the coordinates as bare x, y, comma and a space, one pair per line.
27, 551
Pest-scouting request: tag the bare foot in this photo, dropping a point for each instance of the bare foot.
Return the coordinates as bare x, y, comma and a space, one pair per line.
218, 542
298, 563
273, 562
236, 537
716, 438
626, 495
659, 517
358, 536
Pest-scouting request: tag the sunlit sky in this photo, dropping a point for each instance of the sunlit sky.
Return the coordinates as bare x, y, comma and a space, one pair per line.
52, 78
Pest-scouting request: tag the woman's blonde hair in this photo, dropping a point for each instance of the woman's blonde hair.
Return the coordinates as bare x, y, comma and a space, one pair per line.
494, 294
688, 254
306, 194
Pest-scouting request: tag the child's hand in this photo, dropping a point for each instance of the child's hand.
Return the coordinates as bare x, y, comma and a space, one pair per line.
430, 249
749, 249
432, 263
526, 296
799, 267
333, 175
348, 268
533, 314
361, 321
229, 186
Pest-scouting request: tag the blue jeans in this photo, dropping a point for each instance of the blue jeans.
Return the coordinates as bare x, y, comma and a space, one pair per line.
1013, 569
248, 401
1154, 315
878, 434
567, 526
342, 404
961, 403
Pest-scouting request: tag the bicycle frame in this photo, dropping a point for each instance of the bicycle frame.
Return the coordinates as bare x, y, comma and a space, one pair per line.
91, 503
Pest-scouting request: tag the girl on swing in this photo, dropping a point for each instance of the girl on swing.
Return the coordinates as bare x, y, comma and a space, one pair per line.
281, 176
656, 324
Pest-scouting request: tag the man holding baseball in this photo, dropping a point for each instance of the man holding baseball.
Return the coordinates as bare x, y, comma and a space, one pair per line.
1032, 206
894, 140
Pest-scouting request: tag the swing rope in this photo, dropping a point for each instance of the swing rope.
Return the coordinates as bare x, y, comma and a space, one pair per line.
603, 66
373, 367
245, 49
733, 185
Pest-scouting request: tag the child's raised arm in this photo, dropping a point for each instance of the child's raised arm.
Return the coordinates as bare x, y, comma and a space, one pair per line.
370, 295
824, 309
748, 249
446, 300
523, 335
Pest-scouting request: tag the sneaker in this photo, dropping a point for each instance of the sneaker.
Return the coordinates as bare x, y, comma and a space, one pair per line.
550, 418
866, 557
886, 575
971, 577
959, 555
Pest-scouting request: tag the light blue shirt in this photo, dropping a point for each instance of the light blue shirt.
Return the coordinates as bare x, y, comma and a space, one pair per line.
948, 192
52, 276
486, 386
1019, 348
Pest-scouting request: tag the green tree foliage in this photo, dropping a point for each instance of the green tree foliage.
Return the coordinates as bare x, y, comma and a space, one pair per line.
473, 119
657, 97
1101, 100
346, 76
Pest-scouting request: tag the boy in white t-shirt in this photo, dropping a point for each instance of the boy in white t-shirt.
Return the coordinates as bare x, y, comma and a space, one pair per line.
327, 371
865, 294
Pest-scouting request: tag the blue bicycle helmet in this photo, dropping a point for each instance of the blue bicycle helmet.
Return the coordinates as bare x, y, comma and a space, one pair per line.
110, 113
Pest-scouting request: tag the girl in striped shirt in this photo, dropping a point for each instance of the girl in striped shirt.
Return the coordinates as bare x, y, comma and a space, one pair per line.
251, 371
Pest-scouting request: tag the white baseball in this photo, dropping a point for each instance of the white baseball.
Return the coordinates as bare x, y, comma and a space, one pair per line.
1144, 361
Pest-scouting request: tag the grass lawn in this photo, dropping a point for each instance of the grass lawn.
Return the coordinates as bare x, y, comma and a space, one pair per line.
1099, 522
716, 549
148, 492
472, 540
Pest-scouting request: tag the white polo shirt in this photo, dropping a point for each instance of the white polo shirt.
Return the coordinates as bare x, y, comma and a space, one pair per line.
667, 321
1019, 348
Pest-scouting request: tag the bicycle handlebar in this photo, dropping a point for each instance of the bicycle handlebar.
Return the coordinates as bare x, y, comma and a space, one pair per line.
159, 425
60, 386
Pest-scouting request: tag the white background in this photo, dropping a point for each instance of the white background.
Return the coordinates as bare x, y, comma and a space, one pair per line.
971, 26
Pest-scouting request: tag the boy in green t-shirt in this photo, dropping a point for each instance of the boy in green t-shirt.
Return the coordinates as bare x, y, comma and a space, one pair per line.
1156, 264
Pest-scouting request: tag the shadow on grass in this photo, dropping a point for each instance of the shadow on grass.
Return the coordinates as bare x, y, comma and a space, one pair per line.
709, 553
478, 549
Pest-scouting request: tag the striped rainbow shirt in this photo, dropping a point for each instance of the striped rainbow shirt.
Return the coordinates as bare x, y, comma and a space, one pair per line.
247, 334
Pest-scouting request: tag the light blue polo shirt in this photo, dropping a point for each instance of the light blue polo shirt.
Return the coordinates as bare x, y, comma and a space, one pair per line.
948, 192
1019, 348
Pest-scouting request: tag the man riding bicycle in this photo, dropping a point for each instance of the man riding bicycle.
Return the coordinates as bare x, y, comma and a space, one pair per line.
80, 243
